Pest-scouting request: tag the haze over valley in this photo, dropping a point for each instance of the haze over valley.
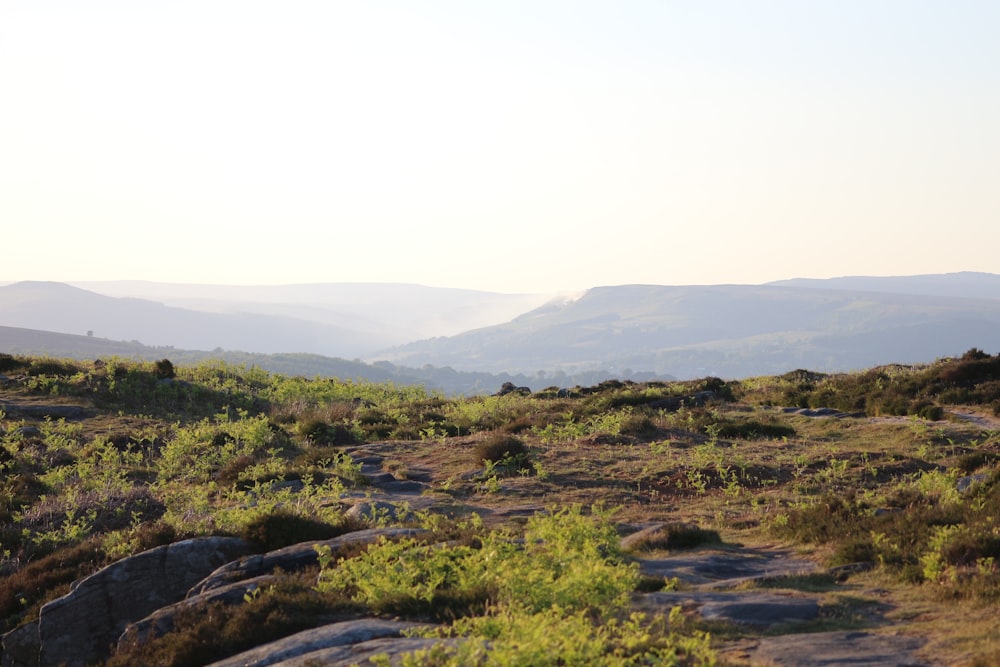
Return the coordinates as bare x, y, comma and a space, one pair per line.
464, 340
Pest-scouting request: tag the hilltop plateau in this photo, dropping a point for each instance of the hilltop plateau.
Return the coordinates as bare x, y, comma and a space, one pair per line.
164, 514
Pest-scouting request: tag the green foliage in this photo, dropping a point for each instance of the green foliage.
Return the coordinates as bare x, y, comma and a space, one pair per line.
559, 599
887, 390
553, 638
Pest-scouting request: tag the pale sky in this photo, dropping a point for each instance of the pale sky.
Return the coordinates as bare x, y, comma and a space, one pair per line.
509, 146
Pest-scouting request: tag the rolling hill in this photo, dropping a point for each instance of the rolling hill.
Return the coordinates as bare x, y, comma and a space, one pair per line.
729, 330
621, 331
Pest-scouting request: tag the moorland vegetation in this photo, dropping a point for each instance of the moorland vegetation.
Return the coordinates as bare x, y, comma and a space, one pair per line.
889, 477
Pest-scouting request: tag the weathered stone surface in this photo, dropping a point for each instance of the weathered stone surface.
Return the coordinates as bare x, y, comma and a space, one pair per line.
755, 608
377, 477
969, 482
81, 626
21, 646
727, 568
360, 655
839, 649
403, 486
321, 644
161, 621
37, 411
373, 510
290, 558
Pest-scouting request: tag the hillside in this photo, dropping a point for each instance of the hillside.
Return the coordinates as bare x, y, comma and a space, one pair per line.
625, 331
724, 330
32, 342
230, 516
345, 320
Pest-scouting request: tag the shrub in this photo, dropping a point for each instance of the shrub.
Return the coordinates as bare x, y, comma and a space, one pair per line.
282, 528
501, 448
11, 363
927, 410
754, 430
164, 370
677, 536
52, 367
319, 432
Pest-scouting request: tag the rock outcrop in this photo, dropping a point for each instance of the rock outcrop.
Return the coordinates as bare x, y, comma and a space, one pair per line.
84, 624
325, 644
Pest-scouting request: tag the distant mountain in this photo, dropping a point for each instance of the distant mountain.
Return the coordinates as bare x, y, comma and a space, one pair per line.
342, 320
965, 284
729, 330
395, 311
65, 309
620, 331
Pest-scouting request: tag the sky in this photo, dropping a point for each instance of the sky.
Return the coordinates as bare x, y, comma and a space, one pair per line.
507, 146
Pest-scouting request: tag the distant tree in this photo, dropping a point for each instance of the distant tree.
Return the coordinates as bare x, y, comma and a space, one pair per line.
90, 333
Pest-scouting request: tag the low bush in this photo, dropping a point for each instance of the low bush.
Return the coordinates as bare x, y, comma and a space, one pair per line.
754, 430
164, 370
501, 448
283, 528
320, 432
676, 536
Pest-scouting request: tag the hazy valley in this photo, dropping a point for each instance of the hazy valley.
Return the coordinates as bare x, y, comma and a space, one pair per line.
470, 341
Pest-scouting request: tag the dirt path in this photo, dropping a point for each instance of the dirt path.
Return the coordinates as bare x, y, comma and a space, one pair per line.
981, 419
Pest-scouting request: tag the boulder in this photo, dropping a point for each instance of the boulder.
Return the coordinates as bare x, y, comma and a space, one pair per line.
510, 388
161, 621
81, 627
21, 646
374, 510
970, 482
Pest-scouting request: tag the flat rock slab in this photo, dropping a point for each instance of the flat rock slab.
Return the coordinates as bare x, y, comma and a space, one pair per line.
39, 411
839, 649
326, 644
752, 608
715, 569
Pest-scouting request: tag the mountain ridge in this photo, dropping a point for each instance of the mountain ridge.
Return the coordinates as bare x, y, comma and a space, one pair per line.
687, 331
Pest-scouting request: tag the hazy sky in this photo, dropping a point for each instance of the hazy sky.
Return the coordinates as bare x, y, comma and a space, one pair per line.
509, 146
